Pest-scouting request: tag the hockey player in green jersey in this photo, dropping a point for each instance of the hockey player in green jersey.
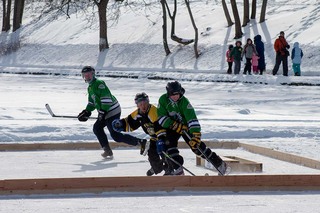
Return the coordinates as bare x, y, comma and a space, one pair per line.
145, 116
101, 99
178, 117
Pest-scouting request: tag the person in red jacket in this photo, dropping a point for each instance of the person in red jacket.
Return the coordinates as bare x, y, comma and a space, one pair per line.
281, 47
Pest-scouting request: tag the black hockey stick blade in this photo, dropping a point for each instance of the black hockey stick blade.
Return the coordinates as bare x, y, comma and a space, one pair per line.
50, 110
57, 116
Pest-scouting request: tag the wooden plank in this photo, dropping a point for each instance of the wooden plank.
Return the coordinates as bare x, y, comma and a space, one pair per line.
303, 161
162, 183
237, 164
95, 145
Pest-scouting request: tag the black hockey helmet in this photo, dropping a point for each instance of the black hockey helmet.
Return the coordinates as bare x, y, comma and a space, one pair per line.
174, 88
87, 69
141, 97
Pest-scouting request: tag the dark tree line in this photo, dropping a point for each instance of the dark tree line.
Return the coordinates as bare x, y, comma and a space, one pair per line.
246, 14
102, 6
18, 7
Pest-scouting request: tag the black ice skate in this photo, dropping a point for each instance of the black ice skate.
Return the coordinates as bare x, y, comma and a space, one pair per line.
223, 169
107, 154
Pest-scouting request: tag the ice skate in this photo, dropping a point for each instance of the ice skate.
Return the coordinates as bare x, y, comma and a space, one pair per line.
178, 172
107, 154
150, 172
223, 169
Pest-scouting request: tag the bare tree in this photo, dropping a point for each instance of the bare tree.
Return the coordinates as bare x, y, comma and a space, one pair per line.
102, 8
70, 6
164, 27
246, 19
17, 14
238, 31
196, 52
6, 15
253, 9
226, 13
263, 11
172, 16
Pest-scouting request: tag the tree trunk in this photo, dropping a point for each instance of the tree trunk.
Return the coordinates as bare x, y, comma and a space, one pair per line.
246, 19
195, 29
102, 7
238, 32
263, 11
173, 19
226, 13
164, 28
253, 9
17, 14
6, 15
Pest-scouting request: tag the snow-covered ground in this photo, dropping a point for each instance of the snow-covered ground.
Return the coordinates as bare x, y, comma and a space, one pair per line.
264, 112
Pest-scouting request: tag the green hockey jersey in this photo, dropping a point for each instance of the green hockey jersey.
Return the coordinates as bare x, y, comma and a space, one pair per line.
100, 98
180, 111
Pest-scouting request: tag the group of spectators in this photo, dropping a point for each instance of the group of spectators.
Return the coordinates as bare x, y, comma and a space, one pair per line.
253, 52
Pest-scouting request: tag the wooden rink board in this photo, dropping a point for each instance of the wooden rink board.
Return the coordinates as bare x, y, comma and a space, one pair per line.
234, 183
161, 183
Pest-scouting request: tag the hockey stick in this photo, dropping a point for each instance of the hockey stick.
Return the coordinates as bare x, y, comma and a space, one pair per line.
176, 162
202, 153
62, 116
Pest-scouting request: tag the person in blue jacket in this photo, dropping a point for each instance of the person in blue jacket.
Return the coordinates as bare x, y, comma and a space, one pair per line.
260, 50
296, 56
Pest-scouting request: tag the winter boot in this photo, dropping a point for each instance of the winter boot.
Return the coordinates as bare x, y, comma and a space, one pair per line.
144, 146
107, 154
150, 172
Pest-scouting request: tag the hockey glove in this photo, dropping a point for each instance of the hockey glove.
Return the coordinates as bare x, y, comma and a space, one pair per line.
84, 115
102, 115
195, 140
117, 125
160, 146
179, 127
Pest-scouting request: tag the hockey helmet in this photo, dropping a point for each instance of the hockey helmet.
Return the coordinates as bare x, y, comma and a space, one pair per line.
174, 88
88, 73
141, 97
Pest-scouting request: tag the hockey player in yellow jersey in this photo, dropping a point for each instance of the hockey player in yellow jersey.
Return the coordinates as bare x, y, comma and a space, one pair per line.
145, 116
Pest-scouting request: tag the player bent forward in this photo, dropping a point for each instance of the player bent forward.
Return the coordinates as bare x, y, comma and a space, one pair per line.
145, 116
178, 117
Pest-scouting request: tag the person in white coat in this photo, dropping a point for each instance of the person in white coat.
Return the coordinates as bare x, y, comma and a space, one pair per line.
296, 56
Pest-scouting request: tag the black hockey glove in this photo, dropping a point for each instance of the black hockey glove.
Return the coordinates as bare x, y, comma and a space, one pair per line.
117, 125
102, 115
84, 115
